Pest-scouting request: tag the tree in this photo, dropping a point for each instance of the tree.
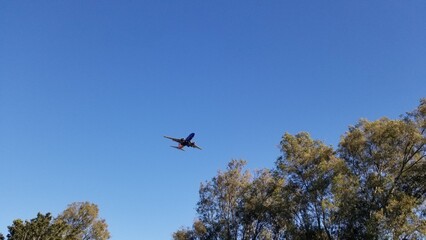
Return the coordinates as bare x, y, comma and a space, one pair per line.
372, 187
220, 206
183, 234
41, 227
83, 221
220, 202
309, 166
387, 159
78, 222
235, 205
260, 200
198, 231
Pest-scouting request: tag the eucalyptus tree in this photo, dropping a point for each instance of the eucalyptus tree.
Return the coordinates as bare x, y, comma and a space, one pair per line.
387, 175
82, 219
221, 200
41, 227
372, 187
235, 205
309, 166
265, 209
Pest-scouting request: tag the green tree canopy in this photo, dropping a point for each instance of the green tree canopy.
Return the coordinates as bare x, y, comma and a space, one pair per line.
41, 227
79, 221
387, 165
371, 187
309, 167
83, 221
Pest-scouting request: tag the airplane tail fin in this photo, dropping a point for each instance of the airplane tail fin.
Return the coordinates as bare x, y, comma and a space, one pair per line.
177, 148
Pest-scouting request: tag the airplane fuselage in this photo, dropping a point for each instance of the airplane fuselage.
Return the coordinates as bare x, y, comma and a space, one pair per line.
187, 141
189, 138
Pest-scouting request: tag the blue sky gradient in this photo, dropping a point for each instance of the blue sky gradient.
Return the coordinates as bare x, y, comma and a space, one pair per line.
88, 89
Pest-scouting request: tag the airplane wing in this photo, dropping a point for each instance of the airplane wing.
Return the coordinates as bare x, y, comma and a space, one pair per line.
195, 146
174, 139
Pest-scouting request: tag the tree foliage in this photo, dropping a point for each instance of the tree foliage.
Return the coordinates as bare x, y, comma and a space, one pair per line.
78, 222
41, 227
309, 166
84, 222
371, 187
387, 160
220, 201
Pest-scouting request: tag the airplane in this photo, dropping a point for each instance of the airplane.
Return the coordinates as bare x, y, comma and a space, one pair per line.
184, 142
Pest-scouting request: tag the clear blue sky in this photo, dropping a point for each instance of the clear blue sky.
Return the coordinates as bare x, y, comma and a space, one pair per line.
89, 88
